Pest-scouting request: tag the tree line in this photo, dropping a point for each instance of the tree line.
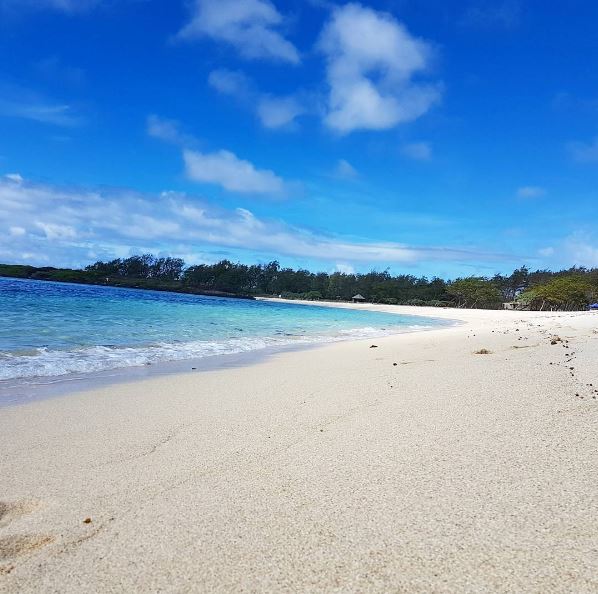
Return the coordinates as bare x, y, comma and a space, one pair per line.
570, 289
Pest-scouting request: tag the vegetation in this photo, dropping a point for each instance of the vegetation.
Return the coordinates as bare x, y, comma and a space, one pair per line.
564, 293
568, 289
475, 292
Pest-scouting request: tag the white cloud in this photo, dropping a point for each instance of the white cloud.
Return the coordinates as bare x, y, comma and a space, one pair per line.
344, 268
22, 103
530, 192
57, 115
273, 112
584, 152
17, 178
107, 224
420, 151
371, 63
345, 170
222, 168
56, 231
168, 131
16, 231
225, 169
251, 26
162, 129
586, 255
231, 82
582, 250
577, 249
278, 112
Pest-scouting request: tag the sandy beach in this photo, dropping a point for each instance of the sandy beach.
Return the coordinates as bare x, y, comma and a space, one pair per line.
415, 466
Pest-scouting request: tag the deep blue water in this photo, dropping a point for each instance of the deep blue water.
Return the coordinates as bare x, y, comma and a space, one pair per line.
52, 329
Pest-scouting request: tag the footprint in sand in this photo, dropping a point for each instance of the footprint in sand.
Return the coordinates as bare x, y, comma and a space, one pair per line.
16, 545
11, 510
6, 569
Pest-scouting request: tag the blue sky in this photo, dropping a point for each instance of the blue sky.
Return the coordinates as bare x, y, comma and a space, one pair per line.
430, 137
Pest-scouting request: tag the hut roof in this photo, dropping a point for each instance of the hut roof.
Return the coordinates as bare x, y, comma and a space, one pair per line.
358, 296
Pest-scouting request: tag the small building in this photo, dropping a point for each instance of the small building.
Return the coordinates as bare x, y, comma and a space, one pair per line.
358, 298
515, 305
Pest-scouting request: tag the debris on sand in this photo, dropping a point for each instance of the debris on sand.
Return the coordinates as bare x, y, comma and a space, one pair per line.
482, 352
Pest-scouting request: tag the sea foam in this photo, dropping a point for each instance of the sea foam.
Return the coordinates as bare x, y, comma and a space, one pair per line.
53, 330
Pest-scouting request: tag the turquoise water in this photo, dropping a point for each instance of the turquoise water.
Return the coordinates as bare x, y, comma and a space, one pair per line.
53, 330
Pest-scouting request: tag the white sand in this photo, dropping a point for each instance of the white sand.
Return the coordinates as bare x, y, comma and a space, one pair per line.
326, 470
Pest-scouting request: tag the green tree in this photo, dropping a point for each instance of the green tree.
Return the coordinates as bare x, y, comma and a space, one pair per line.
474, 292
565, 292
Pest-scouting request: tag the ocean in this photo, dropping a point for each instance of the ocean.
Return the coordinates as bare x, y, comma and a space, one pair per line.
52, 332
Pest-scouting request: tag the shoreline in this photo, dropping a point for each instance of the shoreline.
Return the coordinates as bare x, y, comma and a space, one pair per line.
417, 466
465, 315
20, 391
